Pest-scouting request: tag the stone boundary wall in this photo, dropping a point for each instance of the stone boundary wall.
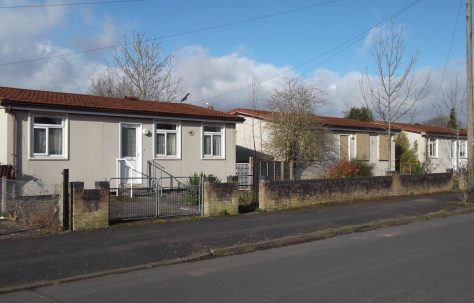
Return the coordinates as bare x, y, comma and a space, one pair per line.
220, 198
276, 195
90, 207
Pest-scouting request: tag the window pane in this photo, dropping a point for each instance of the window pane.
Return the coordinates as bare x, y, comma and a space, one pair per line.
216, 148
207, 145
171, 144
214, 129
129, 142
160, 144
48, 120
55, 144
166, 126
39, 141
452, 151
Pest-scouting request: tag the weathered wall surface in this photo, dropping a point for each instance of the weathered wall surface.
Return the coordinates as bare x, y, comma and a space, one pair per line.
276, 195
220, 198
90, 206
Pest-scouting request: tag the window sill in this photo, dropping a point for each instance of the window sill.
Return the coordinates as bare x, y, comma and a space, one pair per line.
48, 158
166, 158
212, 158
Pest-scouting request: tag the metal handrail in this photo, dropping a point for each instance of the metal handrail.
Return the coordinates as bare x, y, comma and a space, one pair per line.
161, 168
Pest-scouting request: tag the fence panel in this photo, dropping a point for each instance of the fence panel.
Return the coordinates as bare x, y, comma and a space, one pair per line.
30, 202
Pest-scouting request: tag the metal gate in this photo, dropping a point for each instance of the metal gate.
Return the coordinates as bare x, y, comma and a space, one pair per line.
163, 197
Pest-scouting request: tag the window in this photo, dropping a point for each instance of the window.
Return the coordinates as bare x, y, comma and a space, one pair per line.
433, 148
383, 147
48, 136
212, 141
452, 149
129, 141
166, 140
363, 147
462, 149
344, 147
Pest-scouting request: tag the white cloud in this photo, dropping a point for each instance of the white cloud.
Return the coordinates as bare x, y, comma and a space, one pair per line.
219, 80
223, 81
26, 34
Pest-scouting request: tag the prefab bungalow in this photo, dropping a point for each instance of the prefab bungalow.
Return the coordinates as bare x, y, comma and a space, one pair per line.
353, 139
441, 148
103, 138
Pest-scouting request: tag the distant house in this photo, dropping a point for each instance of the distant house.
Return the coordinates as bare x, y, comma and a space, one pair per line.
99, 138
440, 147
353, 139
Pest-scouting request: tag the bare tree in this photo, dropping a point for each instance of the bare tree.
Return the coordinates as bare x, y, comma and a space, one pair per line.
394, 92
139, 69
255, 95
295, 133
454, 101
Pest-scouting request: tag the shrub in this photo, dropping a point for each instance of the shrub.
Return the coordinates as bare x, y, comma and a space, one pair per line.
365, 169
354, 168
191, 194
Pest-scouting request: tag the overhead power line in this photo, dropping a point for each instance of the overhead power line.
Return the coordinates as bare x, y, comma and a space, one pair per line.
202, 29
337, 49
453, 34
70, 4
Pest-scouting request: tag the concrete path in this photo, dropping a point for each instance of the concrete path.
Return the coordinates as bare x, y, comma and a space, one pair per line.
38, 259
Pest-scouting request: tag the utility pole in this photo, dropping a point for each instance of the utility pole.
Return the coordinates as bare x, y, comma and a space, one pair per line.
470, 114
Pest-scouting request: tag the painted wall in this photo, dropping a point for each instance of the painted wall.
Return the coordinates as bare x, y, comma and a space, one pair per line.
438, 164
245, 135
6, 137
380, 167
93, 144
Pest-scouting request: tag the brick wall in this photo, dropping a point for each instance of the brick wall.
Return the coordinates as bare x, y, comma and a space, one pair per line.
90, 206
220, 198
275, 195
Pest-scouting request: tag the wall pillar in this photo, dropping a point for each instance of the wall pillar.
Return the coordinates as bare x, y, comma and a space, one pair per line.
90, 206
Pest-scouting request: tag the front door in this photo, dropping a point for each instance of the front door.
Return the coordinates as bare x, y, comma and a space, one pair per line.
130, 161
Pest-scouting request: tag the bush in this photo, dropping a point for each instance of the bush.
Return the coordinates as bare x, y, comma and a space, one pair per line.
354, 168
193, 183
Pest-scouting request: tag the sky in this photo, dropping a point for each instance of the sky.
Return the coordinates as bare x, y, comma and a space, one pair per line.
218, 46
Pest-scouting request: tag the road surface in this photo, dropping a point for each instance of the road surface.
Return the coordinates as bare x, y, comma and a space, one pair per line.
432, 261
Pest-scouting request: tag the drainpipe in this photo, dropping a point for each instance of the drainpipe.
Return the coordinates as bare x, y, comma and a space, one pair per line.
11, 112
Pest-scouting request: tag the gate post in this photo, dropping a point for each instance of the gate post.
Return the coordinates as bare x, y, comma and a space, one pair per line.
251, 171
4, 197
65, 199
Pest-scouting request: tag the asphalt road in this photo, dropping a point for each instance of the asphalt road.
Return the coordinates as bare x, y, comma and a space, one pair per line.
431, 261
33, 260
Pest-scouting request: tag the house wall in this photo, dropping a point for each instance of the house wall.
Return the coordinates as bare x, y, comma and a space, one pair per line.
6, 137
245, 135
244, 138
94, 147
380, 166
441, 163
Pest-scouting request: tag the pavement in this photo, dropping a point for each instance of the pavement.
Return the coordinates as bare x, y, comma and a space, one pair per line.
35, 261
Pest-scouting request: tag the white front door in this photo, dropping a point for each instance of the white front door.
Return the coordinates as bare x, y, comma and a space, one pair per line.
130, 162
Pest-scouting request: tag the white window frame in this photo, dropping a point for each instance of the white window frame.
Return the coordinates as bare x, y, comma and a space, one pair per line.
453, 149
223, 140
462, 148
163, 131
65, 136
436, 144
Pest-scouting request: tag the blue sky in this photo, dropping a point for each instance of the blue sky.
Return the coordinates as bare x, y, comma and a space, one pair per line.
218, 61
